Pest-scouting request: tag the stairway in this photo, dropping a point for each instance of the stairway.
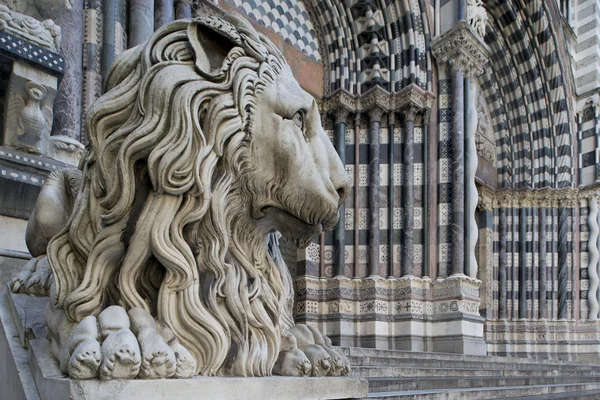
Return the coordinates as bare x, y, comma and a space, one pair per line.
404, 375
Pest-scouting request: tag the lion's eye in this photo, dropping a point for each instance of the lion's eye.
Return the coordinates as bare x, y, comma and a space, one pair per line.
298, 120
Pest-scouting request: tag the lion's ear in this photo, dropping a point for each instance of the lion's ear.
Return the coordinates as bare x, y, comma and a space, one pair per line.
210, 48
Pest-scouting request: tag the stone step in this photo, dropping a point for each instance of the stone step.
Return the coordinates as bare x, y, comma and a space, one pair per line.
379, 385
374, 371
353, 352
441, 363
586, 394
483, 393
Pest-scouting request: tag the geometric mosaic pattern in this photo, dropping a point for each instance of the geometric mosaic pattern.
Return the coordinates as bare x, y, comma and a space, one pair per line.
16, 48
286, 17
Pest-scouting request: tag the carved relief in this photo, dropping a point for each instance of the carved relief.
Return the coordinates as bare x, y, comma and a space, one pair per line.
484, 139
477, 16
45, 34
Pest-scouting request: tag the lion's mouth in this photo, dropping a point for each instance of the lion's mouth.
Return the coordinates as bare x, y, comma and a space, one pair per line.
290, 226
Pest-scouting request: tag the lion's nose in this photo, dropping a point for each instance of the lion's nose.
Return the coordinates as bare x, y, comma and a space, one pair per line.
342, 190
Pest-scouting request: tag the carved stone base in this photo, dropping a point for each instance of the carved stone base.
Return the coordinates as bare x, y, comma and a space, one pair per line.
545, 339
32, 372
408, 313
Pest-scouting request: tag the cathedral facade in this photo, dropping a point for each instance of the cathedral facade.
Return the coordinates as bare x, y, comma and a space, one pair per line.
470, 130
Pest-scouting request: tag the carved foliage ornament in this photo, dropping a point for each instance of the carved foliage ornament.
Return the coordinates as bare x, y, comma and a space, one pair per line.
169, 264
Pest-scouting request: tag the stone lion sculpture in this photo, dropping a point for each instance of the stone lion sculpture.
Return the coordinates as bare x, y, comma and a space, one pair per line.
162, 254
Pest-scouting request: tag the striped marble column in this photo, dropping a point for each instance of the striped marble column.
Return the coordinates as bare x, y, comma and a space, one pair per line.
543, 289
594, 256
522, 263
408, 193
357, 204
502, 264
563, 267
375, 115
339, 236
391, 127
458, 170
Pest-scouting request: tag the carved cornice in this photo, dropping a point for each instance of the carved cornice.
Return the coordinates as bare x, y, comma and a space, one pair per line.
378, 98
340, 115
45, 34
462, 48
536, 198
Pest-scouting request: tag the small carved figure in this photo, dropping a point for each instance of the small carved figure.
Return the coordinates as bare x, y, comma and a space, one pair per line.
34, 121
477, 16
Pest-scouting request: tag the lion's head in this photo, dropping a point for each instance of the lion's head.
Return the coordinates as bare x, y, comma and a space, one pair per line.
202, 147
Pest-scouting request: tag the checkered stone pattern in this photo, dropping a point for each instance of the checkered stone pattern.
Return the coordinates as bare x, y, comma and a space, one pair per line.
357, 215
17, 48
588, 136
534, 93
444, 185
408, 66
495, 262
584, 282
496, 108
406, 36
288, 18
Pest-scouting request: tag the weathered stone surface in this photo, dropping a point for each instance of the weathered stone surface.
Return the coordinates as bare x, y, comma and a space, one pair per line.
187, 245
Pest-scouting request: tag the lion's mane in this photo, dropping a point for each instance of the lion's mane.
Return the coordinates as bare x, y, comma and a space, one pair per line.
156, 224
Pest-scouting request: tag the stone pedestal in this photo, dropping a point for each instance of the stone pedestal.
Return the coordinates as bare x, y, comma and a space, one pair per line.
32, 373
408, 313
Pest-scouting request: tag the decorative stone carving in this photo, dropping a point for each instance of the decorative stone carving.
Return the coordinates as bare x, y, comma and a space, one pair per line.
477, 16
29, 100
593, 259
39, 9
462, 49
171, 241
45, 34
484, 138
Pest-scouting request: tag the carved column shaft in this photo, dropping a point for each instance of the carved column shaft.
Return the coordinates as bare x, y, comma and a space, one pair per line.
183, 9
142, 12
339, 238
67, 104
163, 12
471, 231
109, 19
374, 187
408, 192
502, 264
563, 268
543, 306
458, 172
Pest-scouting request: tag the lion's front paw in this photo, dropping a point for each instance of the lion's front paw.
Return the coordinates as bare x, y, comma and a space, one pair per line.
340, 365
18, 284
158, 359
38, 283
121, 345
291, 360
85, 360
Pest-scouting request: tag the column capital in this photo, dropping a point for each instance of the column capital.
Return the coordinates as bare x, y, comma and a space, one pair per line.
486, 198
340, 115
409, 112
462, 49
375, 114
